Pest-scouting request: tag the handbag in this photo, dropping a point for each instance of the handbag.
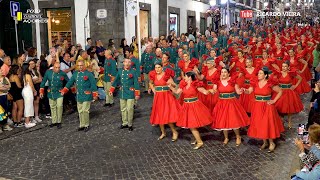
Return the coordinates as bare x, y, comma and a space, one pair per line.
9, 97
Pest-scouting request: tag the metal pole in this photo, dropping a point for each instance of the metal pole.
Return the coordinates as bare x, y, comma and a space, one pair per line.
15, 27
138, 29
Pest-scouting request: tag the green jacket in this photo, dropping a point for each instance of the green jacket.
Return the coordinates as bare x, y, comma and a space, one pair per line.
194, 53
110, 69
127, 79
85, 84
147, 62
55, 81
165, 50
135, 64
173, 54
157, 60
182, 43
202, 47
223, 41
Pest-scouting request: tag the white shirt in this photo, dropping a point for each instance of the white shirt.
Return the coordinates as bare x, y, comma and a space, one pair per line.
63, 67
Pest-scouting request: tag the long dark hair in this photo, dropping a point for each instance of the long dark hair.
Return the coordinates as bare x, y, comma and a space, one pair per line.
43, 67
25, 69
34, 71
192, 75
13, 70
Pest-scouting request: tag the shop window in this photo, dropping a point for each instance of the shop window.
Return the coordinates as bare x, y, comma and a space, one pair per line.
59, 26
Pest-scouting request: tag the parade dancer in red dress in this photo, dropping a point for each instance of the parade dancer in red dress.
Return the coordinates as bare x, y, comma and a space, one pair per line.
295, 64
228, 113
194, 113
186, 65
266, 61
165, 109
209, 73
290, 102
250, 72
302, 55
265, 121
279, 54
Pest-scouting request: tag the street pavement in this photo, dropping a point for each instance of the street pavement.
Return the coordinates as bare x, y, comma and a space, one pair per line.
106, 152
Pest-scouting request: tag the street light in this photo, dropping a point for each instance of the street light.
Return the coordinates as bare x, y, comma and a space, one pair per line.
265, 4
287, 4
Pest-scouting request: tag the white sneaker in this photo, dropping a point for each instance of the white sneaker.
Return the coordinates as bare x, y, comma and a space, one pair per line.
10, 122
30, 125
34, 121
7, 128
1, 130
37, 119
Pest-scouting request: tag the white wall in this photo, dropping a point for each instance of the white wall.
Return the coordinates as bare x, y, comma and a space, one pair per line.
129, 21
81, 8
186, 5
38, 40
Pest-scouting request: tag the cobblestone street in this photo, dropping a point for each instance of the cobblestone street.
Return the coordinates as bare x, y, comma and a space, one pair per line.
106, 152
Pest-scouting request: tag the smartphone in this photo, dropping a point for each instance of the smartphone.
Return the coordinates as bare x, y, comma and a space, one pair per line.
301, 129
305, 137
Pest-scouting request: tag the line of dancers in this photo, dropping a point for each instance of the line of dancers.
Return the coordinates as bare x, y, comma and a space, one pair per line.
243, 92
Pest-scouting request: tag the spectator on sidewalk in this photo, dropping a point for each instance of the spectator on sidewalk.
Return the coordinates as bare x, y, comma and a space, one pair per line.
89, 43
2, 55
4, 88
36, 78
15, 91
310, 161
6, 65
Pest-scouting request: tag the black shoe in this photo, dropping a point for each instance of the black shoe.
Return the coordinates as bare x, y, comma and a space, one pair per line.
145, 92
86, 129
110, 105
52, 125
123, 126
130, 128
106, 105
81, 129
59, 125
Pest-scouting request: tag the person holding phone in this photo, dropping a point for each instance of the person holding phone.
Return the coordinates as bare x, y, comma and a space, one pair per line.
314, 112
310, 161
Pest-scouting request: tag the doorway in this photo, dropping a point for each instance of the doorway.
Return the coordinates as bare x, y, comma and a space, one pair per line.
144, 24
191, 23
203, 25
7, 29
174, 23
59, 26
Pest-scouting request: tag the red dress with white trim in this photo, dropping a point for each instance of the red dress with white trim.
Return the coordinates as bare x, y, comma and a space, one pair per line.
165, 107
265, 120
194, 113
